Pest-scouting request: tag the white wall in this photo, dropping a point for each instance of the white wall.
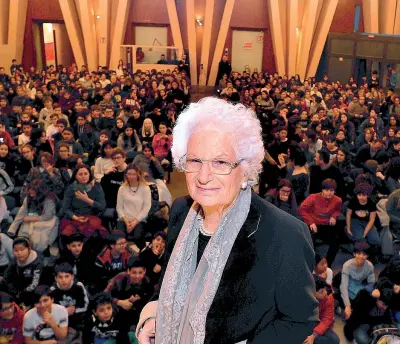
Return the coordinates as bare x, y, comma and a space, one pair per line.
247, 50
146, 35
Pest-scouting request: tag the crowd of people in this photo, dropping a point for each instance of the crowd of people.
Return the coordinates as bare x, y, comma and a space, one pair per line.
84, 202
333, 161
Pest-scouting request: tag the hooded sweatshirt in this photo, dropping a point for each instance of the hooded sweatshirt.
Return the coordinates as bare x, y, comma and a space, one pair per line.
23, 277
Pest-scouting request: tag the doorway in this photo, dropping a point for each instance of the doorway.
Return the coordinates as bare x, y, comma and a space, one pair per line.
247, 50
52, 44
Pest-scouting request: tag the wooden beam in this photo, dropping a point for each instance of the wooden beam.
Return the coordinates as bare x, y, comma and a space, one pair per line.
175, 26
219, 48
205, 48
119, 33
292, 28
276, 32
103, 25
387, 15
70, 16
16, 27
396, 29
306, 36
371, 15
89, 33
321, 33
192, 42
4, 13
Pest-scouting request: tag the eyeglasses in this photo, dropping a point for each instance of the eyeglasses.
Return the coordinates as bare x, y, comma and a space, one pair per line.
217, 166
116, 157
121, 243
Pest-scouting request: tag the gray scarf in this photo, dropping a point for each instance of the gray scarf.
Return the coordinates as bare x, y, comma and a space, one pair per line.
187, 293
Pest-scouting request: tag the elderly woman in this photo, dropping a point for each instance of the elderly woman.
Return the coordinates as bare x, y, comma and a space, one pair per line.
240, 269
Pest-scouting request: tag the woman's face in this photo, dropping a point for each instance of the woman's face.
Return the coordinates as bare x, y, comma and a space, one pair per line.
107, 151
120, 123
132, 176
392, 121
147, 125
44, 163
372, 121
21, 253
391, 132
27, 153
162, 129
368, 135
147, 153
82, 176
343, 118
213, 191
32, 193
3, 150
341, 157
129, 132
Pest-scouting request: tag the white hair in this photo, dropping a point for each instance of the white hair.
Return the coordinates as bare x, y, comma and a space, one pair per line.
237, 121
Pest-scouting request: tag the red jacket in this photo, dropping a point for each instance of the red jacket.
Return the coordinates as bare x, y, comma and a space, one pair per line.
7, 139
12, 329
317, 209
326, 315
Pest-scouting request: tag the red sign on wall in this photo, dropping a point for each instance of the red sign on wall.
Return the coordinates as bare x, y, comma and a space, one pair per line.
247, 45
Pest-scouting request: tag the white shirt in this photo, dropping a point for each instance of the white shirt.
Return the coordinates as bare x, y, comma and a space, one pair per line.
133, 203
35, 327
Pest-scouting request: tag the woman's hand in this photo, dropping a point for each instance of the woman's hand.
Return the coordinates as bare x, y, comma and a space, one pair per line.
83, 196
347, 312
376, 293
82, 219
314, 228
49, 169
125, 304
348, 229
309, 339
110, 170
157, 268
332, 221
147, 331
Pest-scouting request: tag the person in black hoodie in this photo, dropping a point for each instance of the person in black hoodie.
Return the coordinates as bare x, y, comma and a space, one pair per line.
114, 177
27, 161
71, 294
22, 277
104, 323
368, 310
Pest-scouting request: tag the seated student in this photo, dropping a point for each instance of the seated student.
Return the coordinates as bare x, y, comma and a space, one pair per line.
47, 321
67, 171
80, 256
357, 274
133, 204
162, 142
6, 162
22, 276
360, 216
24, 165
11, 320
63, 154
68, 138
153, 255
52, 128
393, 210
129, 141
25, 137
6, 187
36, 219
46, 172
83, 201
112, 259
131, 290
61, 124
5, 136
391, 275
6, 253
105, 324
283, 197
370, 309
330, 147
322, 270
323, 333
114, 177
149, 164
71, 294
320, 211
104, 162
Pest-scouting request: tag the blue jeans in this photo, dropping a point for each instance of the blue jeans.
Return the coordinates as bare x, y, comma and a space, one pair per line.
357, 229
329, 337
361, 334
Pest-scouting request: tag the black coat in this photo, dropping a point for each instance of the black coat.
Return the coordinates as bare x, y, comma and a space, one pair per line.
266, 293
